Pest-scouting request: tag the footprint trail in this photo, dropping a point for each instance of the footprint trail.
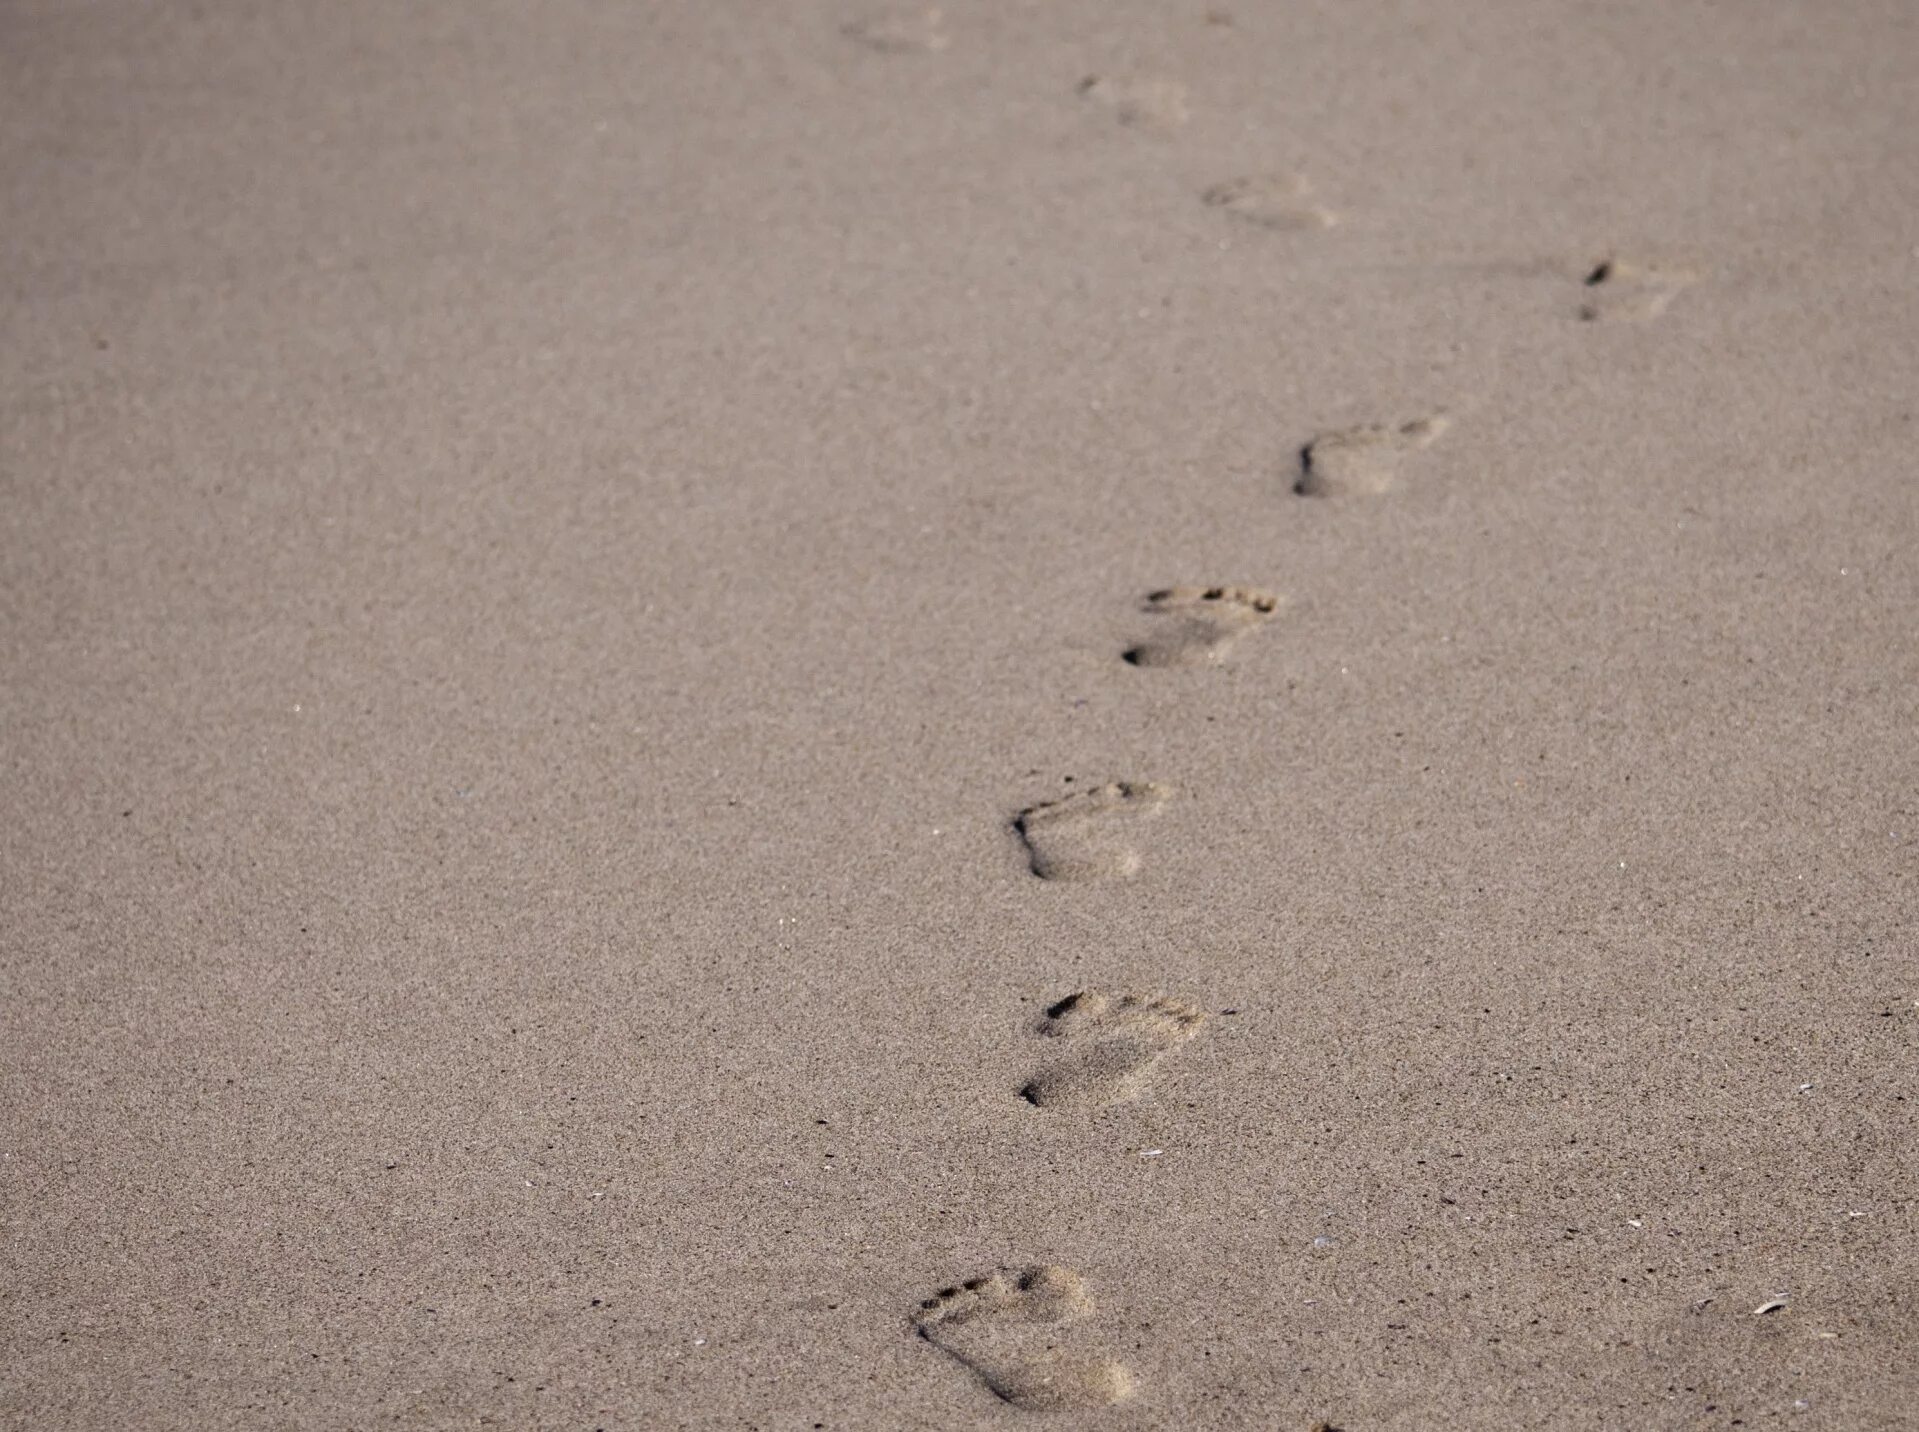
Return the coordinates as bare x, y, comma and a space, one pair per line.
1112, 1044
1010, 1331
1089, 835
1200, 623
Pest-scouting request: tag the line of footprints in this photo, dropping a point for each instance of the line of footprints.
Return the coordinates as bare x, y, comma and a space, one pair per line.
1612, 290
1018, 1330
1021, 1331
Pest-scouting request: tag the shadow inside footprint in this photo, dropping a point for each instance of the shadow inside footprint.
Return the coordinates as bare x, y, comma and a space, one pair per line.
1364, 459
1088, 836
1112, 1044
1008, 1329
1200, 623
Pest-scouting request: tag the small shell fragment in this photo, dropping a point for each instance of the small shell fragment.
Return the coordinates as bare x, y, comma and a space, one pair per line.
1771, 1305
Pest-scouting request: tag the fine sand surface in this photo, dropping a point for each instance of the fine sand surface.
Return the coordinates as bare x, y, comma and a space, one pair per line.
1099, 714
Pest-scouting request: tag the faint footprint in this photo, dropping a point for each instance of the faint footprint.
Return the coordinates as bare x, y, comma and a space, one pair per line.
1139, 103
1008, 1330
1271, 201
1364, 459
1087, 836
898, 32
1618, 290
1113, 1042
1201, 622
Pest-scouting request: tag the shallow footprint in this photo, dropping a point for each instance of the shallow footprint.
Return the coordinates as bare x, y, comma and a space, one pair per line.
1201, 623
1088, 835
1621, 291
1007, 1329
897, 32
1271, 201
1113, 1043
1364, 459
1140, 102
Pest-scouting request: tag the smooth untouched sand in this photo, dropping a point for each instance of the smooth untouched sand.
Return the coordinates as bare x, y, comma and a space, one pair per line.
547, 546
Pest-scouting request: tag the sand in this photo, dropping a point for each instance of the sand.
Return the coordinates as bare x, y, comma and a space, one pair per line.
547, 549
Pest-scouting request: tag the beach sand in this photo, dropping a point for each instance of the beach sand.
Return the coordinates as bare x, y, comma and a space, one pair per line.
607, 604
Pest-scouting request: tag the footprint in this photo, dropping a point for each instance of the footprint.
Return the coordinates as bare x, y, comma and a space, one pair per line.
1139, 103
1113, 1042
1621, 291
1201, 623
898, 32
1087, 836
1363, 459
1271, 201
1009, 1328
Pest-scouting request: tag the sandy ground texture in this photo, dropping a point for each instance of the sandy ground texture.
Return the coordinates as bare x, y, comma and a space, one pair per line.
1103, 714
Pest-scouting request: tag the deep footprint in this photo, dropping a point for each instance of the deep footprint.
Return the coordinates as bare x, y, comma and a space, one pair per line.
1621, 291
1008, 1330
1112, 1045
1138, 102
1271, 201
1088, 836
1364, 459
897, 32
1200, 623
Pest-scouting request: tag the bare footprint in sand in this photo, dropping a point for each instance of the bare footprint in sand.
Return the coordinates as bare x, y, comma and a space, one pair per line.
1089, 835
1112, 1044
1279, 202
1622, 291
1011, 1330
1200, 623
1364, 459
1138, 102
897, 32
